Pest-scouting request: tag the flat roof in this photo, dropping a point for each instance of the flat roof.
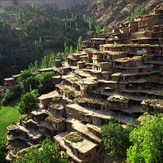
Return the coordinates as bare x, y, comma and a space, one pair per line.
48, 95
98, 39
107, 81
131, 45
82, 146
46, 69
127, 59
116, 74
9, 79
92, 113
88, 81
40, 111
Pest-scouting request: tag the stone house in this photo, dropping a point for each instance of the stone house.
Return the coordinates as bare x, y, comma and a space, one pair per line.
57, 123
118, 102
152, 106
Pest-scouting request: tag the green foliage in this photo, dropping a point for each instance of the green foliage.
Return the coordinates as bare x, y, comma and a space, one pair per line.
90, 33
116, 139
41, 82
47, 61
95, 28
147, 142
27, 103
66, 49
71, 50
79, 43
49, 153
98, 28
45, 82
27, 81
137, 11
38, 29
7, 97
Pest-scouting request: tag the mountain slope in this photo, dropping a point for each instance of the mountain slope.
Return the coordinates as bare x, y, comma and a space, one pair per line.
62, 4
113, 12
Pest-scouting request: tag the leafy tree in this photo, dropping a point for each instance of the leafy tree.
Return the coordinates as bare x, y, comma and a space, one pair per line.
116, 139
49, 153
66, 49
27, 102
26, 80
45, 82
8, 95
79, 43
71, 49
137, 11
98, 28
147, 142
41, 82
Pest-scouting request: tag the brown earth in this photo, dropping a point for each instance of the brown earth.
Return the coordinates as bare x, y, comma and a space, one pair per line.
114, 14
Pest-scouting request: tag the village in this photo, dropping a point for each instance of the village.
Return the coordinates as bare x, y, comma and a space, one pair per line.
115, 76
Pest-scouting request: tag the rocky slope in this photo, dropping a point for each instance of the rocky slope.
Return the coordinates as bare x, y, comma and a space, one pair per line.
113, 12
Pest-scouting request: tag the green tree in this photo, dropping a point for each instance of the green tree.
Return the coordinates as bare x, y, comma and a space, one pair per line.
7, 97
137, 11
49, 153
116, 139
66, 49
27, 81
71, 49
98, 28
45, 82
147, 142
27, 103
79, 43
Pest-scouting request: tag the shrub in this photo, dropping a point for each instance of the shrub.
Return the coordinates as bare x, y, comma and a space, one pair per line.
49, 152
147, 141
8, 96
27, 103
116, 139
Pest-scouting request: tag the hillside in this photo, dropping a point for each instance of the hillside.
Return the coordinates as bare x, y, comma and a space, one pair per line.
114, 12
62, 4
37, 30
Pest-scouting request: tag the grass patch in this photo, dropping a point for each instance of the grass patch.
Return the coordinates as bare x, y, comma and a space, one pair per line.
8, 115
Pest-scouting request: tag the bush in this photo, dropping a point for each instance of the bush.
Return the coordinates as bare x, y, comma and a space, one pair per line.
27, 103
27, 81
116, 139
147, 141
8, 96
137, 12
41, 82
45, 82
49, 152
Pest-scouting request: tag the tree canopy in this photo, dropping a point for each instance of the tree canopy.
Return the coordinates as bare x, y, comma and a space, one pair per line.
41, 82
116, 139
147, 142
48, 152
27, 103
